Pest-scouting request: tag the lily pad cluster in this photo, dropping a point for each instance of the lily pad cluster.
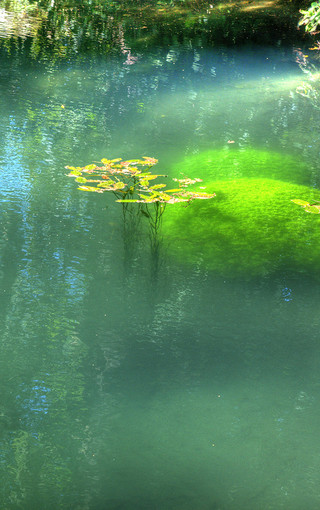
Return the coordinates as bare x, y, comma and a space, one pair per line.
130, 181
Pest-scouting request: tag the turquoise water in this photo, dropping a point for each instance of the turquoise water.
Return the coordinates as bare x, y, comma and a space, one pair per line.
119, 390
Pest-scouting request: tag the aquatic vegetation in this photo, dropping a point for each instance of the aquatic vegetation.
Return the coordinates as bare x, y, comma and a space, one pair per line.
251, 228
311, 17
130, 180
132, 184
232, 163
310, 208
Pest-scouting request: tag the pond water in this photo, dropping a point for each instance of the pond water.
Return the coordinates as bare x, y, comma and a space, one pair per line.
192, 390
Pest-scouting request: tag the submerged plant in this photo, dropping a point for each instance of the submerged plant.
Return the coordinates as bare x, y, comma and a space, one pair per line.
234, 163
132, 183
250, 229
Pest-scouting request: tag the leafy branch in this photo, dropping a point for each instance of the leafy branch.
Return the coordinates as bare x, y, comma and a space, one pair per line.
311, 18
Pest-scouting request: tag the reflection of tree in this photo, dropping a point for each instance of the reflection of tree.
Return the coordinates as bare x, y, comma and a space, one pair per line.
43, 413
57, 356
130, 95
41, 354
19, 19
60, 27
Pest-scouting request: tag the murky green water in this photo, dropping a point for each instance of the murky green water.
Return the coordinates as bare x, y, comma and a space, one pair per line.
194, 391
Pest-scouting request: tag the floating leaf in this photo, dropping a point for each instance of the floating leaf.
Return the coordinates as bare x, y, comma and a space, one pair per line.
203, 196
312, 209
105, 184
144, 183
74, 168
81, 180
90, 167
150, 177
126, 200
119, 185
303, 203
158, 186
149, 160
145, 197
74, 173
186, 182
90, 188
162, 196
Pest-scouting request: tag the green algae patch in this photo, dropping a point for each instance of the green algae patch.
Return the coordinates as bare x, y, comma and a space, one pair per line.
231, 163
250, 228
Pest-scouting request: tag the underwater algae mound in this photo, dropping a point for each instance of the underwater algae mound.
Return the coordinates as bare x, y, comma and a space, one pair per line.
250, 228
232, 163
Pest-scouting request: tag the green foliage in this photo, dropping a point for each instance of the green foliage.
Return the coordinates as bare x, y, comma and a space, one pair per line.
251, 228
232, 163
60, 28
131, 182
311, 17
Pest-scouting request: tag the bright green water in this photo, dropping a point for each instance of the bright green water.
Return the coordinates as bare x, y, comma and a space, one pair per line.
118, 391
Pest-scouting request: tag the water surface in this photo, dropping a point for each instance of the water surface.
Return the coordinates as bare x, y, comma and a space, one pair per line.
119, 391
